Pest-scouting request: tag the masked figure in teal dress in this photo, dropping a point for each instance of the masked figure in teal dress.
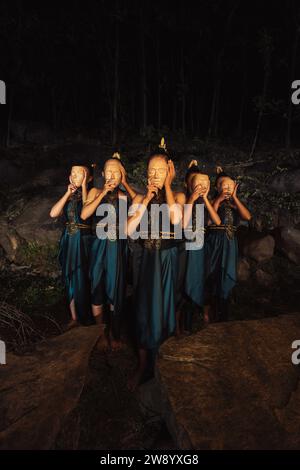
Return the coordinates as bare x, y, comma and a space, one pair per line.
221, 248
198, 186
74, 246
108, 254
155, 263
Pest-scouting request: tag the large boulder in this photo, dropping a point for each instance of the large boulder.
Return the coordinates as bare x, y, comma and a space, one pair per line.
264, 278
10, 241
259, 249
289, 243
287, 182
233, 386
34, 224
39, 392
243, 269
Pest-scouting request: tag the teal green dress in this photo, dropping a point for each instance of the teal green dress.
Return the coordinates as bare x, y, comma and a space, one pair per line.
221, 253
155, 273
195, 266
108, 265
73, 256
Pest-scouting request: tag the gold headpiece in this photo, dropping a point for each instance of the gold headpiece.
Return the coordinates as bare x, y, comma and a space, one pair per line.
117, 155
193, 163
219, 170
162, 144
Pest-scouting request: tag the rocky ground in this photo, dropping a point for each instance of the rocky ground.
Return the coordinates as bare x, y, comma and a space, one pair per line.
33, 307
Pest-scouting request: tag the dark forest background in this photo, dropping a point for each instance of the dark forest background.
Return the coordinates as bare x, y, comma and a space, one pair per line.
215, 69
86, 79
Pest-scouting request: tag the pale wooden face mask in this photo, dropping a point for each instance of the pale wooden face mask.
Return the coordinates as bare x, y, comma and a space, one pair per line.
226, 185
77, 175
199, 180
157, 171
112, 172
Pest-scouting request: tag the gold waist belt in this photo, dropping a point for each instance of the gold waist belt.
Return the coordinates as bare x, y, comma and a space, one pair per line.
161, 235
229, 229
222, 227
74, 224
73, 227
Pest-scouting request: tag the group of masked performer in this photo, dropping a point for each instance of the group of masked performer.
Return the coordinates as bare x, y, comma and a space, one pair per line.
167, 276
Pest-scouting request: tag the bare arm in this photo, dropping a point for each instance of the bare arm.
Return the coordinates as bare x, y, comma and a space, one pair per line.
212, 212
57, 209
126, 185
175, 203
84, 188
243, 211
143, 201
93, 200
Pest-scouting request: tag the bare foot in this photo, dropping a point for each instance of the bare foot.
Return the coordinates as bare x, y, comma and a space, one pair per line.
116, 344
206, 319
72, 324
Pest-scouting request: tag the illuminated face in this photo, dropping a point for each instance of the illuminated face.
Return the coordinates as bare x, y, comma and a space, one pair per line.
112, 172
77, 175
157, 171
225, 185
198, 180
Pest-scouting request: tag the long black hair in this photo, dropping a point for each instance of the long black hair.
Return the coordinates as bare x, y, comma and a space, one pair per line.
116, 156
193, 169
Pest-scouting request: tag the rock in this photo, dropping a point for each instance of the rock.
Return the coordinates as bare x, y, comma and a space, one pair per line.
290, 243
10, 241
149, 397
233, 386
38, 392
50, 177
243, 269
287, 182
260, 249
263, 278
34, 223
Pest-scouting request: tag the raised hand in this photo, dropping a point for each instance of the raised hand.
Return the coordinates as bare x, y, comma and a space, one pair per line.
152, 190
108, 187
84, 181
171, 173
206, 191
197, 192
234, 194
123, 175
71, 187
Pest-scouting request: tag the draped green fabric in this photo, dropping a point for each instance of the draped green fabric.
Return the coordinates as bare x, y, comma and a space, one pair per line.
155, 296
221, 254
108, 265
195, 276
73, 256
155, 279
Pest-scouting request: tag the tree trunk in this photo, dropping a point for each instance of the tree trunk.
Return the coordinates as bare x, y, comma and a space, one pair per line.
10, 102
290, 104
116, 88
262, 104
214, 114
158, 84
243, 98
183, 94
143, 74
